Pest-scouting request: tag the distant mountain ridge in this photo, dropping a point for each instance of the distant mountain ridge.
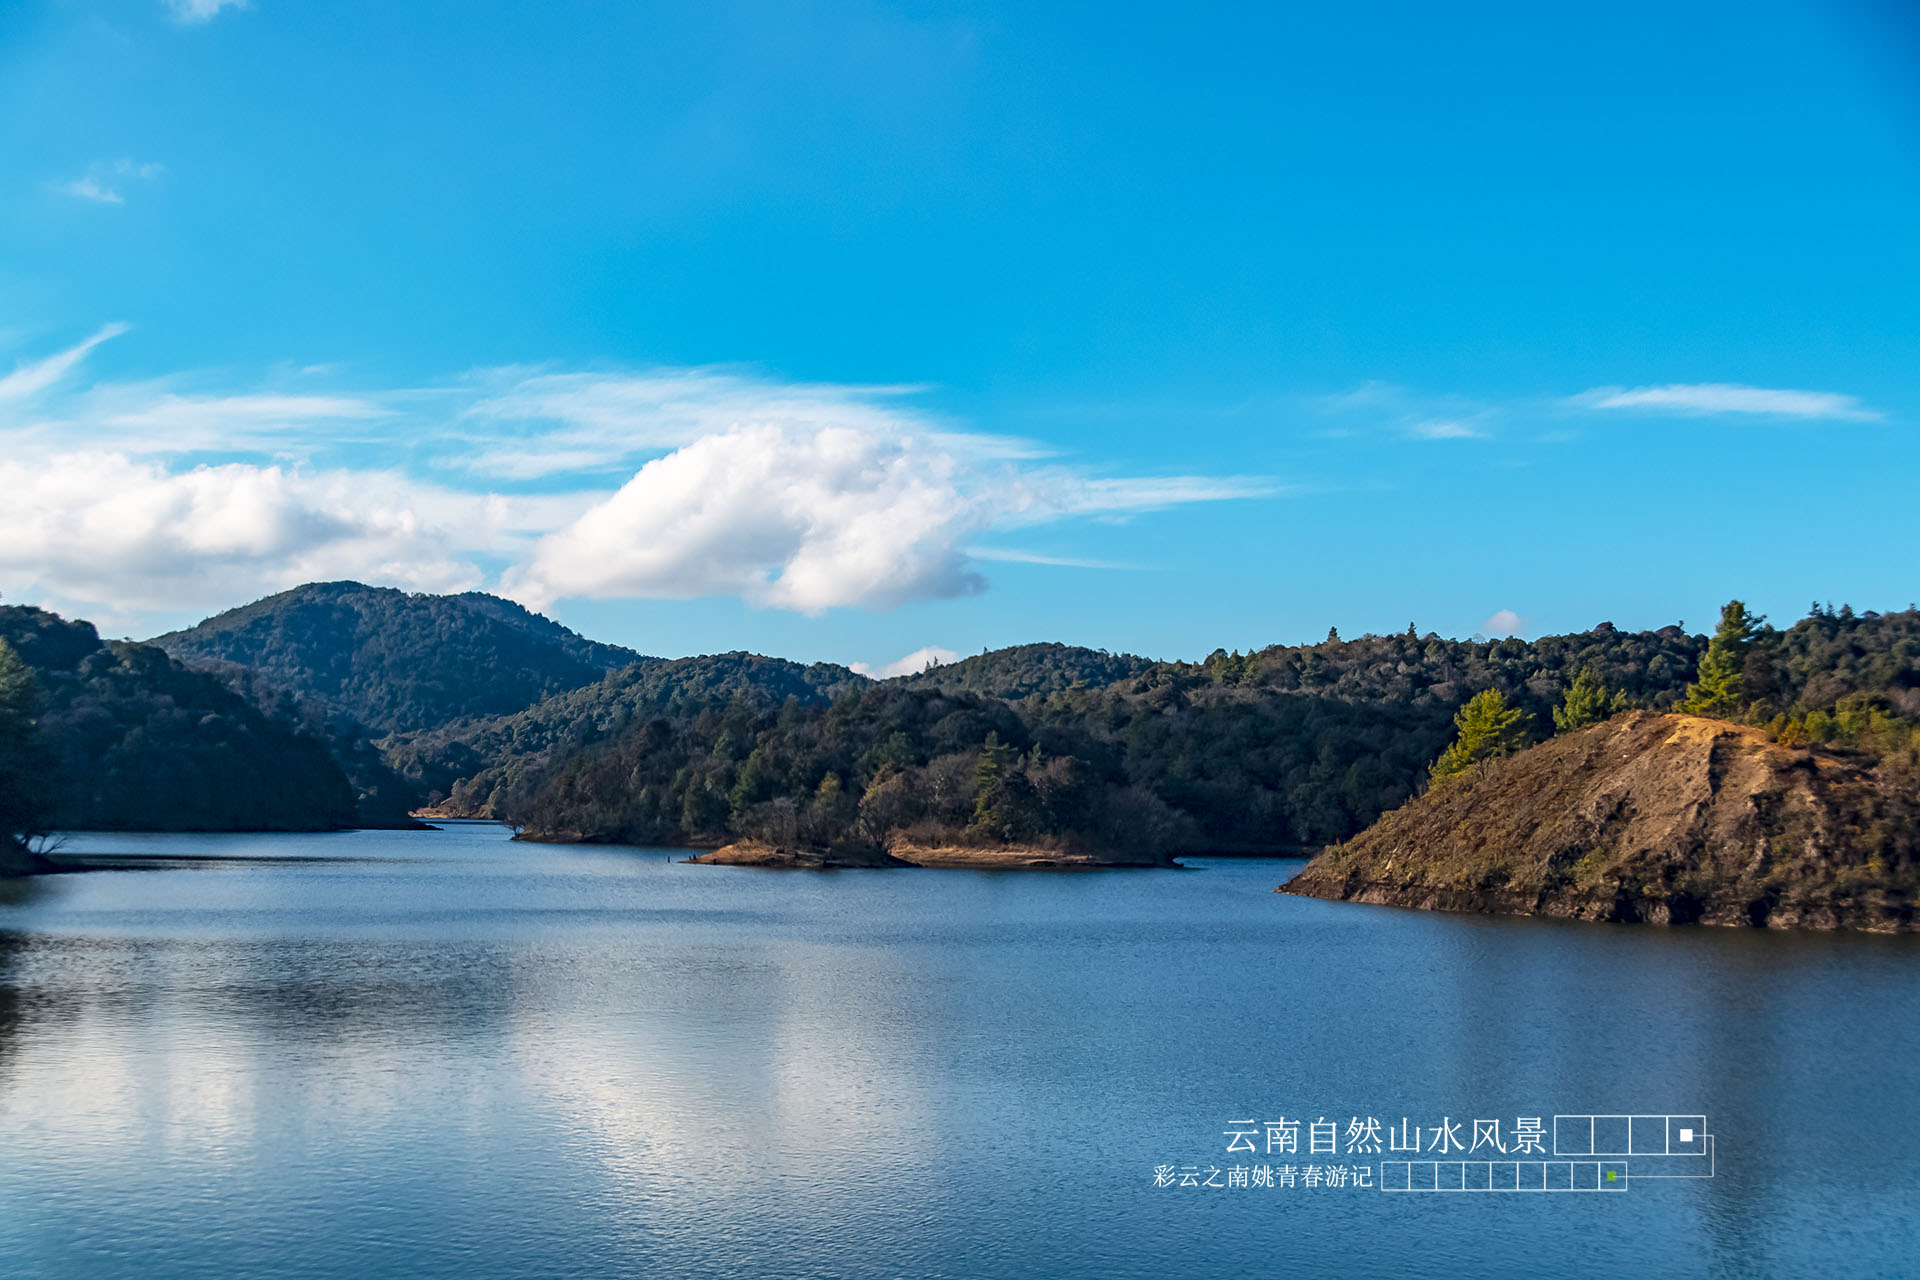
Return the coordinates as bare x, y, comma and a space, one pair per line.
396, 661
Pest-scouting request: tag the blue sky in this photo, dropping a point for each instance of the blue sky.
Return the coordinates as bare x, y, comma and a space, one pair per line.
846, 331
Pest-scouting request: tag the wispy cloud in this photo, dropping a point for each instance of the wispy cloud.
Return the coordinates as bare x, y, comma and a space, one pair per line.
90, 188
576, 421
1444, 429
1012, 555
1701, 399
193, 12
1375, 408
174, 413
103, 182
31, 378
674, 483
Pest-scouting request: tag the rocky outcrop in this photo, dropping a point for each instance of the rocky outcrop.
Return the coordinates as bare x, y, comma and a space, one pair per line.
1665, 819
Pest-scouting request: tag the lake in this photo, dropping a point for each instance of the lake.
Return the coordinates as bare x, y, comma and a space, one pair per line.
440, 1053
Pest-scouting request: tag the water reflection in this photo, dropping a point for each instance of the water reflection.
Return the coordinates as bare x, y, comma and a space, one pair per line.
474, 1058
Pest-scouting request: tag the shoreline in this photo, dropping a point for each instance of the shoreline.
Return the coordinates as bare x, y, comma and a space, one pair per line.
754, 853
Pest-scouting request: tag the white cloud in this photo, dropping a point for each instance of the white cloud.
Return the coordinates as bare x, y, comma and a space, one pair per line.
1504, 622
1408, 414
791, 518
106, 527
102, 182
32, 378
1704, 398
220, 416
93, 189
806, 519
911, 665
808, 497
576, 421
1443, 429
192, 12
1013, 555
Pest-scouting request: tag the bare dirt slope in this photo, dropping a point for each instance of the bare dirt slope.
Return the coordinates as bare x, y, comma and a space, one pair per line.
1661, 818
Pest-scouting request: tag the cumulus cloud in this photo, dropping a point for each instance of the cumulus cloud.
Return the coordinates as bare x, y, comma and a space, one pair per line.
811, 519
1705, 398
136, 535
675, 483
1504, 622
911, 665
778, 516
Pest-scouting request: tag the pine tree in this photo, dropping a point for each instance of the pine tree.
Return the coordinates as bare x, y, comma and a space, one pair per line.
1717, 689
1587, 701
1489, 728
989, 779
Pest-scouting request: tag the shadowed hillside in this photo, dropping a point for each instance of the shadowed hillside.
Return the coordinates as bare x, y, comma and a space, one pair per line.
125, 737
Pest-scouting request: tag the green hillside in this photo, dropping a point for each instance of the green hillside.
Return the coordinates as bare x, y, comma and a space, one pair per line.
394, 661
122, 736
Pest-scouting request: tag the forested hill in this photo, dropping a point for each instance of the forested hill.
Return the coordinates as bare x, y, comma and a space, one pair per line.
1027, 669
1287, 748
395, 661
121, 736
1405, 668
478, 762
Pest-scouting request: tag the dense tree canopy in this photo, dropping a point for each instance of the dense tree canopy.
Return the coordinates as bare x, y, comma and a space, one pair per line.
1275, 750
391, 660
132, 739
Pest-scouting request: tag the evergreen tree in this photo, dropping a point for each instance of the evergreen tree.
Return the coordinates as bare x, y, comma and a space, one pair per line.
1488, 728
1587, 701
1718, 690
989, 781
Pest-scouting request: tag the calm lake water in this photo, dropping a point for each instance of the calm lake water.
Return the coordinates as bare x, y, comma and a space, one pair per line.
443, 1054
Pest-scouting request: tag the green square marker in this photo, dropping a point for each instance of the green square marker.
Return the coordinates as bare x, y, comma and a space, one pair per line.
1613, 1175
